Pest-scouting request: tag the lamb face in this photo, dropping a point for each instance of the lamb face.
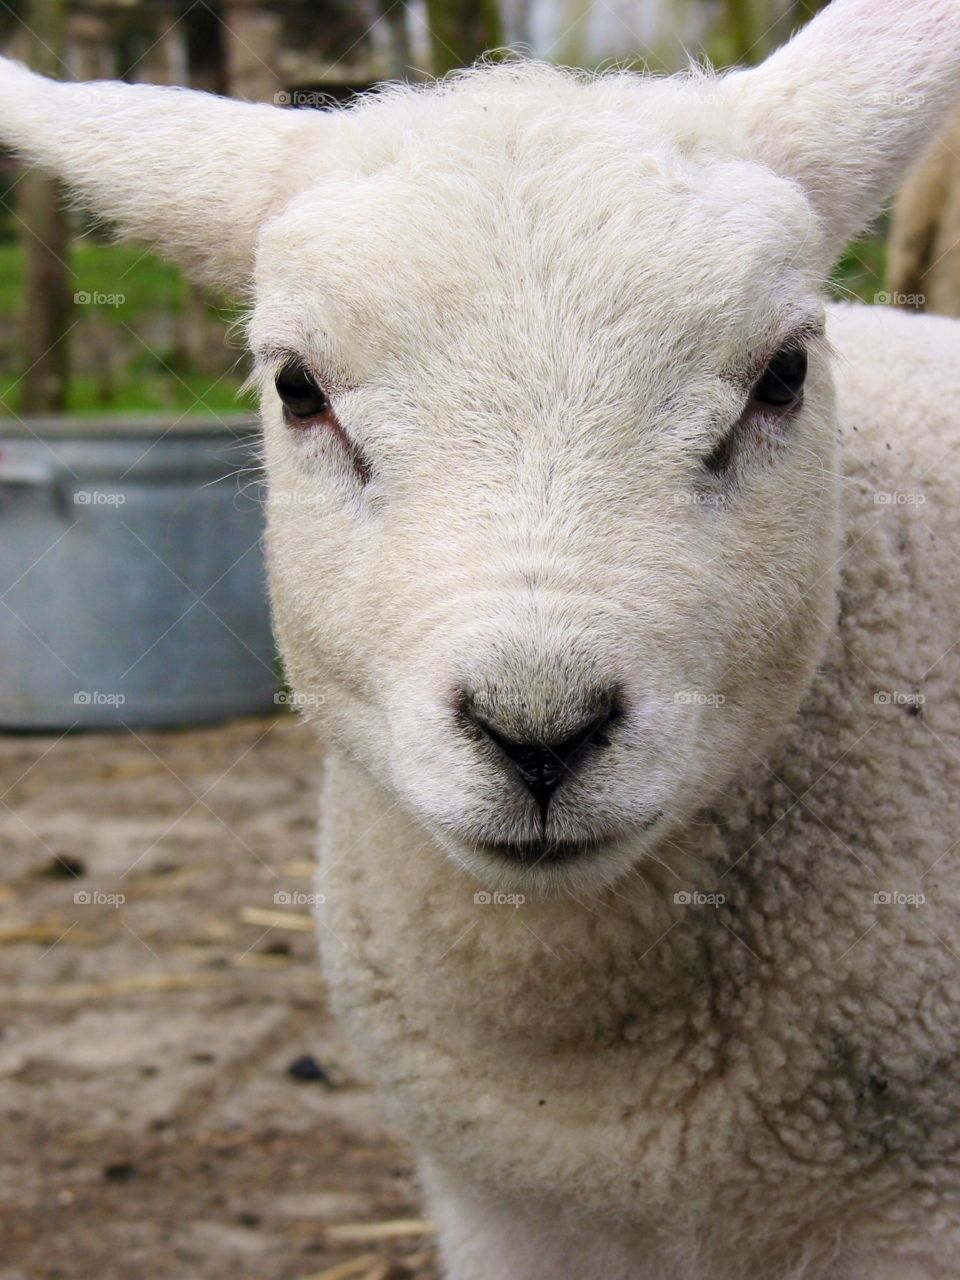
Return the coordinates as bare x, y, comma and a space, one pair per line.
552, 500
552, 518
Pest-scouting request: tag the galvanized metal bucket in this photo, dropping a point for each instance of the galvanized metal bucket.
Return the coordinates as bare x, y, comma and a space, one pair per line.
132, 586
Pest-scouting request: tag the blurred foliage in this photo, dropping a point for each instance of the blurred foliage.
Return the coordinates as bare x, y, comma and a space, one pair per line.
153, 375
146, 282
861, 272
746, 31
145, 387
461, 31
8, 178
11, 13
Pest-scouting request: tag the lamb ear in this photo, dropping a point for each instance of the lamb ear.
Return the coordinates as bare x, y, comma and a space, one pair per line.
847, 105
193, 174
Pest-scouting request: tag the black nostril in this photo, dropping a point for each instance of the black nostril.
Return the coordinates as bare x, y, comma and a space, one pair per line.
543, 764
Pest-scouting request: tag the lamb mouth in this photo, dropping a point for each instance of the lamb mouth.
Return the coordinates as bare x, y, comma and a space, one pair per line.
532, 853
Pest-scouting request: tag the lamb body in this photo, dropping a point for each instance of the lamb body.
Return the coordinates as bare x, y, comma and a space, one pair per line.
633, 1087
546, 473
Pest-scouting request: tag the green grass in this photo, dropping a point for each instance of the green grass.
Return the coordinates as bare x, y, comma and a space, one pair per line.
155, 392
147, 282
861, 272
134, 287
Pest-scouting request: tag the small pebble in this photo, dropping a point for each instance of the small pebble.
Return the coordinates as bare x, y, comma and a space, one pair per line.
63, 867
307, 1069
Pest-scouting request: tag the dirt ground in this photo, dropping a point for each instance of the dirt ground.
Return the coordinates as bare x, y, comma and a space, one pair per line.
159, 981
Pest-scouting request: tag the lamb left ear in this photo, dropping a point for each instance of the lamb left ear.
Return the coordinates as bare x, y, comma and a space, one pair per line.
846, 106
193, 174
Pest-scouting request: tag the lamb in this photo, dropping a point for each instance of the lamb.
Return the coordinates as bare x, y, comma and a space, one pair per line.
924, 249
621, 573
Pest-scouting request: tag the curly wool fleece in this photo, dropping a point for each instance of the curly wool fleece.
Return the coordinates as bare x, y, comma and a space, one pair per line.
743, 1061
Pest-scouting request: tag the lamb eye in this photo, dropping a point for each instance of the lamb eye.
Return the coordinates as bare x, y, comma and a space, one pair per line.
781, 383
302, 397
777, 391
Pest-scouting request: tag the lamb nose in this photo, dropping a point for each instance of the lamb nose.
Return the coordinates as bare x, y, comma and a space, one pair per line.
542, 764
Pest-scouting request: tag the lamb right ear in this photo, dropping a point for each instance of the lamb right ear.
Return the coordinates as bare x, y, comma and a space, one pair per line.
850, 102
193, 174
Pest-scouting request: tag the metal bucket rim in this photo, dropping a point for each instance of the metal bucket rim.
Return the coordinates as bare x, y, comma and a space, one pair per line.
135, 427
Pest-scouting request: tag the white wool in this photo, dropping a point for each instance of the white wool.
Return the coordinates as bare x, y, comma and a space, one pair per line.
538, 301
